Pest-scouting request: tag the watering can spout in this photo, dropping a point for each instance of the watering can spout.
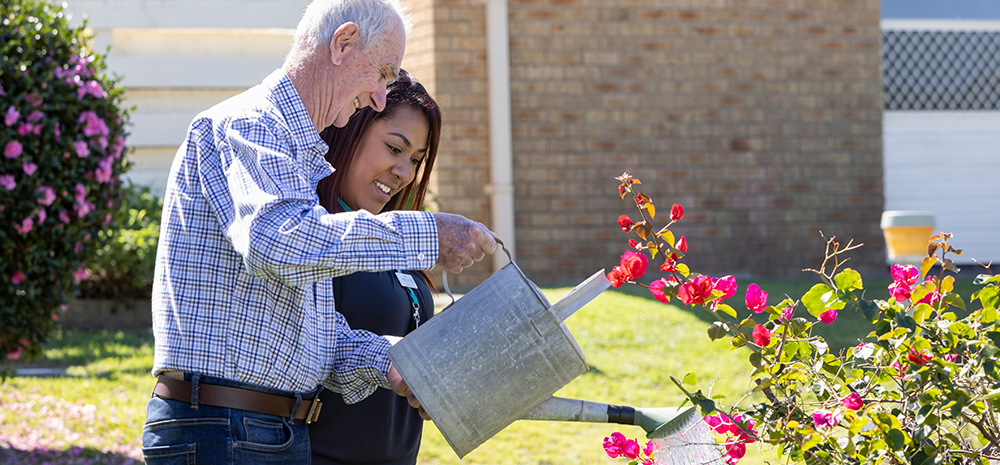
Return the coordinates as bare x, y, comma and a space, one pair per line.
656, 422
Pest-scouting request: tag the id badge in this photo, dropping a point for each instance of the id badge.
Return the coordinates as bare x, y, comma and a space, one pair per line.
406, 280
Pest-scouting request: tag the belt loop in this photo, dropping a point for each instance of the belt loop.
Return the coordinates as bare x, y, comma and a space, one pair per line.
295, 407
195, 384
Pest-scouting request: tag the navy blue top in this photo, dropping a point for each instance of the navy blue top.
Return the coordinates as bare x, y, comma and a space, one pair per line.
383, 428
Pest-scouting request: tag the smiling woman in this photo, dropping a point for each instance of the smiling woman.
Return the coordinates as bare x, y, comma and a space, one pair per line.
382, 161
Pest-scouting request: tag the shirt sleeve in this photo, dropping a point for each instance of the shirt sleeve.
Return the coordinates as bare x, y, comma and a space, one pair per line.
266, 204
361, 363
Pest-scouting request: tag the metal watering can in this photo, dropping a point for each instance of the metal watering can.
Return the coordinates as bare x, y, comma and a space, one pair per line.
497, 355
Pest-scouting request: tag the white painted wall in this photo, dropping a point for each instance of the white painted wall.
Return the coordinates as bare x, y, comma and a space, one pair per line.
949, 163
179, 57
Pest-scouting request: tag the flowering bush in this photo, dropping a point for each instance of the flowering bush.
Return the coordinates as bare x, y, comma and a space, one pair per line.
63, 136
923, 387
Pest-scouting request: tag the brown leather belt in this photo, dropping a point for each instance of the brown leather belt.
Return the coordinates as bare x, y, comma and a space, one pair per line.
242, 399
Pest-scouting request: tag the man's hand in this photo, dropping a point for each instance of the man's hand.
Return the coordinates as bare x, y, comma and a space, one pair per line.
462, 242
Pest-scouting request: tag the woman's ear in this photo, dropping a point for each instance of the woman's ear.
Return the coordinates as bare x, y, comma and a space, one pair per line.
346, 37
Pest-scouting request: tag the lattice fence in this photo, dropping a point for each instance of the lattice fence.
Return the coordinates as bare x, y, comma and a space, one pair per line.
941, 70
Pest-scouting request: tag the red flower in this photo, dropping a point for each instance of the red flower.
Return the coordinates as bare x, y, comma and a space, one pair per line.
634, 244
682, 244
625, 222
676, 212
669, 265
695, 291
617, 277
634, 264
656, 288
829, 316
918, 357
761, 336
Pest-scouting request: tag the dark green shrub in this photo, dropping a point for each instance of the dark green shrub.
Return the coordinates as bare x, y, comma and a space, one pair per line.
63, 138
123, 265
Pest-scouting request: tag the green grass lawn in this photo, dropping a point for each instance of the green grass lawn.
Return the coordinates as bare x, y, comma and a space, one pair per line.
633, 344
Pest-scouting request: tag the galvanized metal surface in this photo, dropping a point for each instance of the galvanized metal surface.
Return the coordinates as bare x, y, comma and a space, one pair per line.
492, 356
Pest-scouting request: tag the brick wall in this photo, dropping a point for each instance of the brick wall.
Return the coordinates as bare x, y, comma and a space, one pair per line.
762, 118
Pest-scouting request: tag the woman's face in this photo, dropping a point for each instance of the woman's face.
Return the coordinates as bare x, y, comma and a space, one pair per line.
386, 160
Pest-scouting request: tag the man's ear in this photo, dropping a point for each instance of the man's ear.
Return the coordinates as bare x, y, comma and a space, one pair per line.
346, 37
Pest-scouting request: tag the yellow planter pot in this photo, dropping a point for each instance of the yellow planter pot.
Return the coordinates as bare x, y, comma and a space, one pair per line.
906, 235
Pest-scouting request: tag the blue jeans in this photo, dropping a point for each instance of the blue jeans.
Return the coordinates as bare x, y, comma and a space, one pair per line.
179, 432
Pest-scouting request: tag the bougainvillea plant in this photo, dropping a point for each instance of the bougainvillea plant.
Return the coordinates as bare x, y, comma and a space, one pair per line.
922, 387
63, 138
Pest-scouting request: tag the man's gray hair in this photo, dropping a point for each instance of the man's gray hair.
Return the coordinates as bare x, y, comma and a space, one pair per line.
322, 18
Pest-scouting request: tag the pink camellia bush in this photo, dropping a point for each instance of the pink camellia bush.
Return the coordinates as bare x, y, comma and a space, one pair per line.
921, 387
63, 138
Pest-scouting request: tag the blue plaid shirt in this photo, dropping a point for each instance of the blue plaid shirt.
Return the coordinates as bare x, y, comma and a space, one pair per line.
242, 287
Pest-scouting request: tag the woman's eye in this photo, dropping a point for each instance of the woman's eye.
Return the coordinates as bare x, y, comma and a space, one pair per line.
393, 149
415, 161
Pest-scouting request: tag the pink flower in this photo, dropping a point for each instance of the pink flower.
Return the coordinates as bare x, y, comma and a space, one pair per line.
7, 181
42, 215
25, 227
95, 126
13, 149
90, 88
786, 314
656, 288
951, 357
612, 444
853, 401
726, 284
825, 419
634, 264
829, 316
17, 278
734, 452
64, 217
35, 117
625, 222
48, 195
906, 274
903, 277
81, 149
81, 274
630, 449
11, 117
756, 299
16, 354
761, 336
29, 168
103, 172
676, 212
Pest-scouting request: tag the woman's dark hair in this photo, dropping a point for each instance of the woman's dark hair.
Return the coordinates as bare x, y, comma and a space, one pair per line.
403, 92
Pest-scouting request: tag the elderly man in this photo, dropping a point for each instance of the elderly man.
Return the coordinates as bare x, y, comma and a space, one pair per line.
243, 310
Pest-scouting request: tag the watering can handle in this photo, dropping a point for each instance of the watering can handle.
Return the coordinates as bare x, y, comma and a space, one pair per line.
444, 274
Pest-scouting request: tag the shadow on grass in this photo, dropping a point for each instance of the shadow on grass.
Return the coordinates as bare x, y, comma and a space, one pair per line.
104, 354
73, 456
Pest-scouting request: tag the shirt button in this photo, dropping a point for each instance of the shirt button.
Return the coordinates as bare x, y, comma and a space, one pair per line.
421, 256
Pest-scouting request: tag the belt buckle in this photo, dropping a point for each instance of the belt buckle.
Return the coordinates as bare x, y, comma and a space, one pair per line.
314, 409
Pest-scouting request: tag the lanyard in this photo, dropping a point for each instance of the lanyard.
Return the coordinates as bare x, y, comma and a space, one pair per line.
405, 281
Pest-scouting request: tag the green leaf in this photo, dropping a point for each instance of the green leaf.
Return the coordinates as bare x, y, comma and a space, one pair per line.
727, 310
848, 279
691, 379
989, 297
718, 330
954, 299
818, 299
922, 312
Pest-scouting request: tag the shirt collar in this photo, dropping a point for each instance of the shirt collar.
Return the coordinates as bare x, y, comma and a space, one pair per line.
304, 134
